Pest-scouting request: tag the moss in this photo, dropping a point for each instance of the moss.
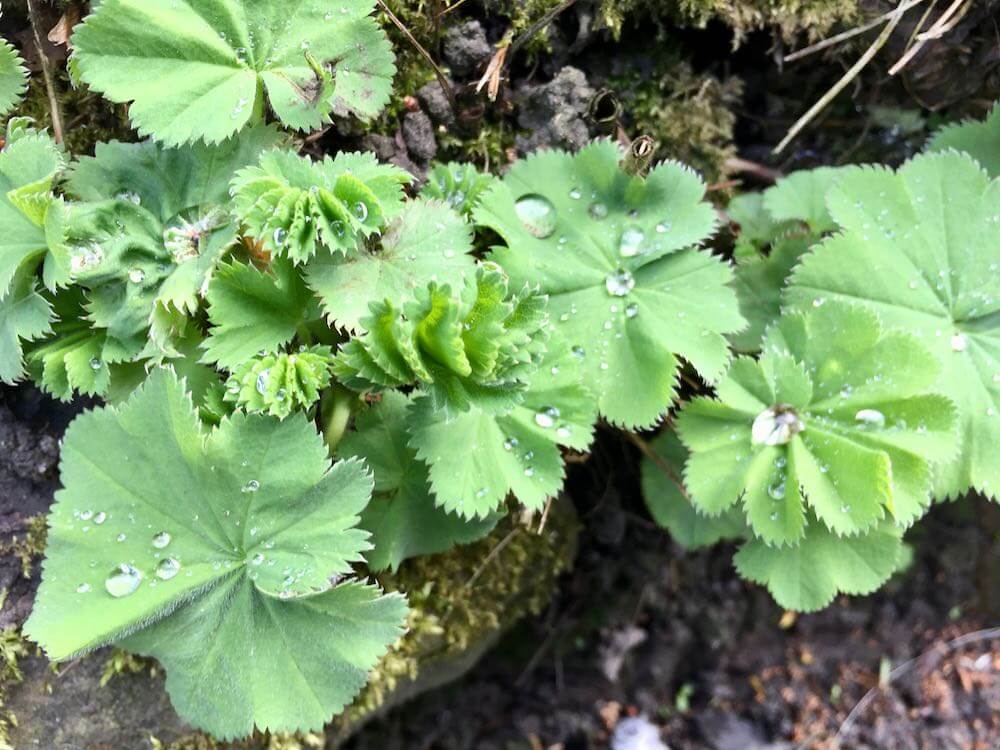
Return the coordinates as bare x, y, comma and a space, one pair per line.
811, 18
29, 546
13, 647
690, 116
122, 662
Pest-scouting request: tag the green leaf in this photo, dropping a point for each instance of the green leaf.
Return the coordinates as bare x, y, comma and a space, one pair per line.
216, 554
613, 252
253, 311
836, 417
460, 186
278, 384
475, 347
801, 197
759, 284
668, 502
201, 69
919, 247
28, 166
980, 140
426, 243
293, 205
25, 315
478, 457
13, 78
807, 577
402, 517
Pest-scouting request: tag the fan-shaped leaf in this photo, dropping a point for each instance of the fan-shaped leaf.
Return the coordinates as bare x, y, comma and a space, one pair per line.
278, 384
980, 140
13, 77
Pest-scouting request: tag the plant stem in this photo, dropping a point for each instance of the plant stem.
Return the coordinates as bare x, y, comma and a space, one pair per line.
336, 408
56, 114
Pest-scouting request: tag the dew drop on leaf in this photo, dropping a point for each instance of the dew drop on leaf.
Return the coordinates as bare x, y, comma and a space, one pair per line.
959, 343
122, 581
776, 491
100, 518
510, 444
537, 214
578, 352
598, 211
136, 275
575, 194
168, 568
257, 559
631, 310
279, 236
83, 588
161, 540
95, 364
546, 417
262, 379
663, 227
252, 486
361, 210
870, 419
775, 426
619, 283
631, 241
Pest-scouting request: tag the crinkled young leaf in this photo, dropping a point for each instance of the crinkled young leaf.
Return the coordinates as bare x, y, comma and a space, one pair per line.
278, 384
13, 77
759, 284
836, 418
807, 577
668, 502
426, 243
460, 186
25, 315
216, 554
475, 347
402, 517
253, 311
477, 457
919, 246
980, 140
201, 69
294, 205
613, 252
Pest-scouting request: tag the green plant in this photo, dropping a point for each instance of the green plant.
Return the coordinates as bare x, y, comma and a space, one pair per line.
311, 377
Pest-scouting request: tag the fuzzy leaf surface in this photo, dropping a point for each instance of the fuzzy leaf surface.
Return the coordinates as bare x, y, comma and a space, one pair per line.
919, 247
980, 140
13, 77
195, 519
614, 254
201, 69
278, 384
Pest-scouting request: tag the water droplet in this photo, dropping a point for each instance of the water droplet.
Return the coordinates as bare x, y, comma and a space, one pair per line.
122, 581
619, 283
959, 343
279, 237
86, 515
631, 310
546, 417
870, 419
257, 559
168, 568
631, 241
777, 490
578, 352
510, 444
120, 538
773, 516
575, 194
818, 302
100, 518
83, 588
95, 364
361, 210
598, 211
161, 539
775, 426
529, 472
136, 275
537, 214
262, 379
844, 508
252, 486
663, 227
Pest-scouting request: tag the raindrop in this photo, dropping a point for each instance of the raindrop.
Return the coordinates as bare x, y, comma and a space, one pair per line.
510, 444
773, 516
844, 508
575, 194
818, 302
959, 343
95, 364
529, 472
663, 227
262, 379
870, 419
86, 515
122, 581
120, 538
83, 588
775, 426
252, 486
631, 241
631, 310
619, 283
546, 417
168, 568
161, 539
279, 236
777, 490
598, 211
136, 275
100, 518
537, 214
361, 210
257, 559
578, 352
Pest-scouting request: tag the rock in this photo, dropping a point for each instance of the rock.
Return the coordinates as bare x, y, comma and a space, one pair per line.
637, 733
391, 149
436, 103
418, 134
553, 113
466, 49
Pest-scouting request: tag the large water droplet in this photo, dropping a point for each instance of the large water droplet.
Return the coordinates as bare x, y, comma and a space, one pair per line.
777, 490
252, 486
122, 581
361, 210
136, 275
775, 426
168, 568
537, 214
546, 417
619, 283
262, 379
279, 237
870, 419
631, 241
161, 540
100, 518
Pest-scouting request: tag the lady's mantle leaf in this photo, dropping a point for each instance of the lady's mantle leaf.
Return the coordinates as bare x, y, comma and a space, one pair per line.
980, 140
669, 504
200, 69
13, 77
460, 186
919, 246
612, 251
402, 517
807, 577
278, 384
214, 553
25, 315
835, 417
292, 205
426, 243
